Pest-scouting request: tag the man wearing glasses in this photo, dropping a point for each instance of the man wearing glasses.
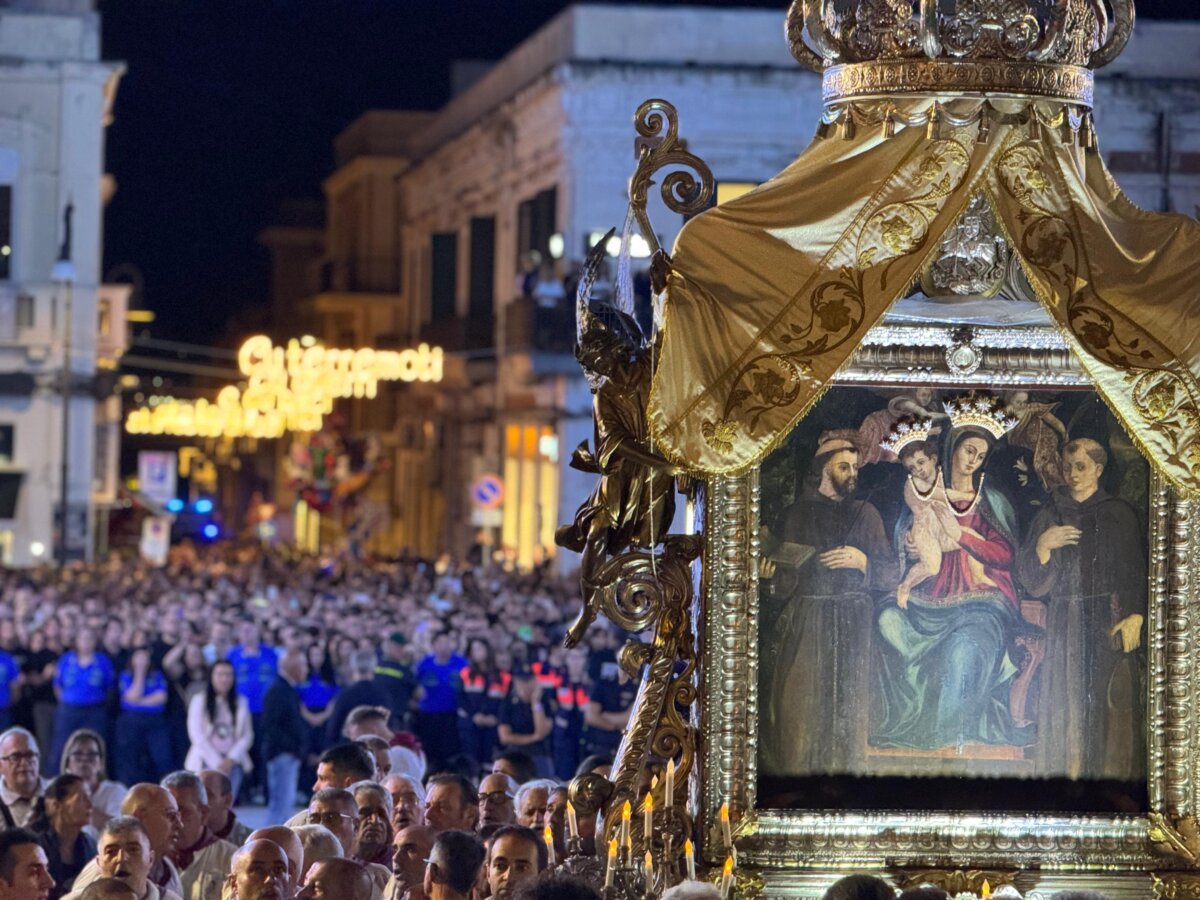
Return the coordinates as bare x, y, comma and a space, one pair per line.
336, 810
20, 783
496, 793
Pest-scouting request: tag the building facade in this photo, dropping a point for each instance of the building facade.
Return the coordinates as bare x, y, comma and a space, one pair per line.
433, 219
56, 97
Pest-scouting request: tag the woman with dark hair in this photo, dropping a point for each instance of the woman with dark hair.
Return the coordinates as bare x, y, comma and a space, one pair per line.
143, 739
58, 820
945, 670
483, 690
317, 696
85, 756
220, 728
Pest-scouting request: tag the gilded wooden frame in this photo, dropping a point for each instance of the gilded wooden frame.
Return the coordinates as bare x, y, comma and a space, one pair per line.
791, 853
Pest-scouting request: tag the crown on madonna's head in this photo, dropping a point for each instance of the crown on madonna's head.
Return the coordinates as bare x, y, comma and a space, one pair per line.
980, 411
905, 431
1024, 48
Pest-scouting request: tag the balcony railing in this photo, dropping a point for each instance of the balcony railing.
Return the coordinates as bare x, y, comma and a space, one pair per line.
459, 334
535, 329
363, 274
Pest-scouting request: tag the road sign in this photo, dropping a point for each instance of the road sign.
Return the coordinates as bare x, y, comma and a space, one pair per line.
156, 474
487, 491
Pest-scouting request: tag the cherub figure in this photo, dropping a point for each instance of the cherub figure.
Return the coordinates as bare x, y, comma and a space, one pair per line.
1041, 432
633, 503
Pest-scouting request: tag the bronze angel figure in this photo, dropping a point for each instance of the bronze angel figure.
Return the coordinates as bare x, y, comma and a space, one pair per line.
633, 503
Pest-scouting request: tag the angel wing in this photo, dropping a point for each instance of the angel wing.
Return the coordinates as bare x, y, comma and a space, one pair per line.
591, 271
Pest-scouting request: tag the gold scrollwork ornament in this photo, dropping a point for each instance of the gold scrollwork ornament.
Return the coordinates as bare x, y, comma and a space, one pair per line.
1178, 838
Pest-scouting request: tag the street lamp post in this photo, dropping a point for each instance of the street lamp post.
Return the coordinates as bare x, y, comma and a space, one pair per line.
63, 275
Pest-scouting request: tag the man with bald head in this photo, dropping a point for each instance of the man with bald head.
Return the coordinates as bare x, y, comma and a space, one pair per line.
496, 794
337, 879
155, 808
260, 872
108, 889
287, 841
412, 846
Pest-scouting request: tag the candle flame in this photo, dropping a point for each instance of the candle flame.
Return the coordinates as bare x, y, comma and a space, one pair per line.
670, 767
688, 849
612, 849
724, 812
548, 834
654, 782
570, 808
728, 865
626, 811
649, 805
649, 860
986, 891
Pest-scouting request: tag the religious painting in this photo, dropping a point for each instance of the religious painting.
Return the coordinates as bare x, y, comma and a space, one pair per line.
953, 586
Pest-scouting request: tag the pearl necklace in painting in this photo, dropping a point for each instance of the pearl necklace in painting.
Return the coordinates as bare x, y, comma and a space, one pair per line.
974, 500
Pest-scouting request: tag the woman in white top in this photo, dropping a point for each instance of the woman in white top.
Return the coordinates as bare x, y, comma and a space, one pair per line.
84, 755
220, 728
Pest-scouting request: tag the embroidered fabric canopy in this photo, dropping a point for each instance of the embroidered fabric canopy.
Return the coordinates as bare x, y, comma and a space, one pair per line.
771, 293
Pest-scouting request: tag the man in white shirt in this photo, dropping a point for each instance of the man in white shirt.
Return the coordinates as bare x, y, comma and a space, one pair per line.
201, 857
20, 784
155, 808
124, 853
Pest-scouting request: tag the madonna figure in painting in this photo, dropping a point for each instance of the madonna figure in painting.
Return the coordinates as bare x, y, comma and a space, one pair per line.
944, 669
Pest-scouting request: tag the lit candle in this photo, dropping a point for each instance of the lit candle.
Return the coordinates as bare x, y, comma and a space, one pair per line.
649, 811
626, 812
725, 831
612, 863
548, 836
670, 790
727, 877
689, 853
649, 870
986, 891
572, 822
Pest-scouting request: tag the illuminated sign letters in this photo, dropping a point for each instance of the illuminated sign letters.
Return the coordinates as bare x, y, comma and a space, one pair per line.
288, 388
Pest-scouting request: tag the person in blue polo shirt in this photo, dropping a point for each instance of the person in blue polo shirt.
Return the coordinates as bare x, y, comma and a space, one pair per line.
10, 687
439, 681
143, 735
82, 680
254, 666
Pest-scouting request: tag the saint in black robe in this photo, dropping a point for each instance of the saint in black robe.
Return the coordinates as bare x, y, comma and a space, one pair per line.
816, 654
1090, 709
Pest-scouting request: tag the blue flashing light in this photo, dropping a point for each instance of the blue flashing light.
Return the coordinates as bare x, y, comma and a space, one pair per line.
211, 531
174, 505
203, 506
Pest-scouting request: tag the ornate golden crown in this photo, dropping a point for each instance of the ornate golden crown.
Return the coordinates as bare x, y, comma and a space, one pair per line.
1022, 48
905, 431
981, 411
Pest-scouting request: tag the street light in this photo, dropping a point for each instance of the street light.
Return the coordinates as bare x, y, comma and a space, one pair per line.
63, 275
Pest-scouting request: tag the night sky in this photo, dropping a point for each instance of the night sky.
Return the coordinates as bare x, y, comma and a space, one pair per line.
230, 106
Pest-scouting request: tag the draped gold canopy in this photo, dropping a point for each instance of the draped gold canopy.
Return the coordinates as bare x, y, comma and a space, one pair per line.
771, 293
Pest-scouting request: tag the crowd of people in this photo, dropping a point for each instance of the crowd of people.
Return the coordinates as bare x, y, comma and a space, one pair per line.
410, 725
172, 667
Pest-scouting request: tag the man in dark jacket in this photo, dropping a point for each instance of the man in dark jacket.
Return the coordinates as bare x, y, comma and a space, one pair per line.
284, 736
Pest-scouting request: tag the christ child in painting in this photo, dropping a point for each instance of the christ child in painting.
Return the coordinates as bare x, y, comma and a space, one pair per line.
935, 529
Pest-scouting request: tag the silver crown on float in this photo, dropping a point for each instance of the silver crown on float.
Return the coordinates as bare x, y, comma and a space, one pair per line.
1017, 48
